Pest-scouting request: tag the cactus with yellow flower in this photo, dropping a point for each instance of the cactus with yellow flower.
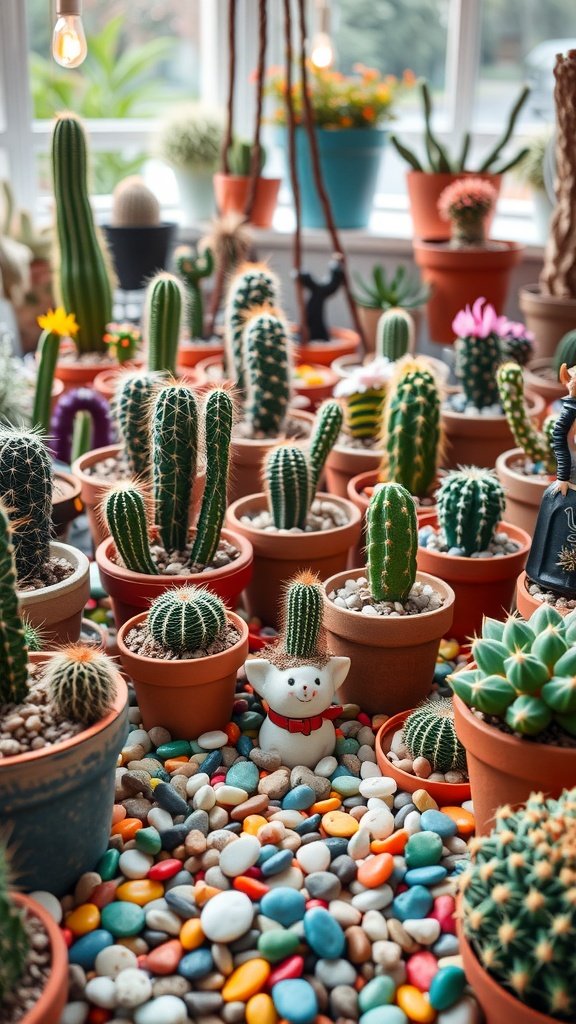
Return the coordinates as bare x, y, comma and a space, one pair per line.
55, 324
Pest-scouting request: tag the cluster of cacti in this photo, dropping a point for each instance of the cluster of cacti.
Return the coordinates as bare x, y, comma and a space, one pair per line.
477, 360
133, 402
391, 543
395, 334
239, 157
565, 352
429, 732
536, 444
412, 430
191, 267
186, 619
14, 941
525, 672
253, 285
162, 314
26, 492
302, 622
83, 274
85, 409
13, 653
470, 506
81, 684
174, 425
123, 341
267, 370
519, 911
134, 205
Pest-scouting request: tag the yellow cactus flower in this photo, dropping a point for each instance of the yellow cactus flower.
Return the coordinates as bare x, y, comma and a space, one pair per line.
58, 321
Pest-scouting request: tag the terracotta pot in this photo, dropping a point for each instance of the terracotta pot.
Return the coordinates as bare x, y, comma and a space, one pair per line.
423, 194
106, 382
132, 592
54, 996
56, 802
483, 586
540, 379
457, 277
212, 367
185, 697
57, 610
343, 342
505, 769
247, 458
369, 318
393, 659
232, 190
355, 494
446, 794
190, 353
343, 464
479, 440
548, 317
497, 1004
278, 556
525, 603
523, 493
66, 502
76, 374
315, 394
345, 366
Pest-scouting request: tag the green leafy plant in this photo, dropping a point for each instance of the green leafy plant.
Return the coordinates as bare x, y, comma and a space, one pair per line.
385, 291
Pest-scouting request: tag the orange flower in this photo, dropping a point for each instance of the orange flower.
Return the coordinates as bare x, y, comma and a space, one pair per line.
408, 77
346, 122
370, 74
368, 113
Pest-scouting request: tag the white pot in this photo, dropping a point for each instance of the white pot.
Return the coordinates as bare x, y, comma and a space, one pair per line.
196, 195
57, 610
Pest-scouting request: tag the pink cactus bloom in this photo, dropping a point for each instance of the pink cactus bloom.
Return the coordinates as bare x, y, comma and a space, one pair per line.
515, 329
478, 322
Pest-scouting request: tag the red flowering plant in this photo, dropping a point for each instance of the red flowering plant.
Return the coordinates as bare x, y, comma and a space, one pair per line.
466, 204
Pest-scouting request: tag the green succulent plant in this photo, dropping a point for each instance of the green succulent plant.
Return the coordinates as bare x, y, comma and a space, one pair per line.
470, 506
386, 291
391, 543
536, 444
429, 732
186, 619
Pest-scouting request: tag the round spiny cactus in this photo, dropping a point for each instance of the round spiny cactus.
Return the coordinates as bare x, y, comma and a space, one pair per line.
14, 942
288, 485
81, 683
470, 505
26, 492
392, 543
429, 732
186, 619
134, 205
303, 616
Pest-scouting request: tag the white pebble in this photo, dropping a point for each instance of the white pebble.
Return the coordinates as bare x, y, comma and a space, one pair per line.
213, 740
465, 1011
204, 799
101, 992
237, 857
49, 902
314, 857
195, 782
345, 913
227, 916
163, 921
369, 770
160, 819
135, 864
359, 844
424, 930
292, 877
412, 823
230, 796
386, 953
133, 987
326, 767
75, 1013
378, 787
373, 899
379, 822
114, 959
164, 1010
141, 738
374, 924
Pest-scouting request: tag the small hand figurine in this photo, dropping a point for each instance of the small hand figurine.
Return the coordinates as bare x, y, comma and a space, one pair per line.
298, 679
320, 290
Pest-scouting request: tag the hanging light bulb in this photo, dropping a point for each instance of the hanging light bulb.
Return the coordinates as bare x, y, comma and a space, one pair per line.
69, 47
322, 53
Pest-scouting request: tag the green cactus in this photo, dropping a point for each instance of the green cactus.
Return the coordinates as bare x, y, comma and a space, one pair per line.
519, 911
288, 485
470, 506
429, 732
240, 158
218, 417
392, 543
81, 435
48, 349
566, 351
14, 942
125, 514
302, 616
412, 431
83, 275
26, 491
517, 349
267, 372
13, 652
174, 458
192, 267
395, 334
536, 445
363, 412
477, 360
163, 311
186, 619
329, 419
81, 683
253, 285
133, 403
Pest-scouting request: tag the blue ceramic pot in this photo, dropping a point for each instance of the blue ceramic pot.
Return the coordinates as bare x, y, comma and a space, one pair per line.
350, 162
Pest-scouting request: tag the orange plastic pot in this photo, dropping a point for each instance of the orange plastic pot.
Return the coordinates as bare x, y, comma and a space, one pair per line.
66, 501
232, 190
483, 586
278, 556
343, 342
424, 191
525, 603
132, 592
446, 794
190, 353
54, 996
315, 393
540, 379
479, 440
548, 317
505, 769
185, 697
247, 457
345, 464
523, 493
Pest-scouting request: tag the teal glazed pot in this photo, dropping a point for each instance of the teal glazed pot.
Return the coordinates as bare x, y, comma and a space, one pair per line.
56, 803
350, 161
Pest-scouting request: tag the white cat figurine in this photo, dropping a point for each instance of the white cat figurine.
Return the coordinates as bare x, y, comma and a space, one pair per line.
299, 725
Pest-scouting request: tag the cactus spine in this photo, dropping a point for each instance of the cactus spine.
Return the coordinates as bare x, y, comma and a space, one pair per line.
14, 943
395, 334
429, 732
303, 616
329, 420
83, 274
48, 349
477, 360
536, 445
192, 267
13, 653
218, 416
186, 619
162, 317
470, 506
412, 431
267, 371
133, 403
392, 543
288, 485
253, 285
174, 459
125, 514
81, 683
26, 490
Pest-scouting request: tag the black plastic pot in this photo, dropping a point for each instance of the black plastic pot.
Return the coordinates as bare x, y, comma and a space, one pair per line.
138, 252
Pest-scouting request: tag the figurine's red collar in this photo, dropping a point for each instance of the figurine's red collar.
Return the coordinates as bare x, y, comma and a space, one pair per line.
304, 725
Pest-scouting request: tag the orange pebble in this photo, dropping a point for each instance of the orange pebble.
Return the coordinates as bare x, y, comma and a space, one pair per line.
118, 813
127, 828
173, 763
164, 959
83, 919
465, 821
203, 893
323, 806
140, 891
98, 1015
191, 934
374, 871
337, 823
246, 981
252, 887
394, 844
233, 733
252, 823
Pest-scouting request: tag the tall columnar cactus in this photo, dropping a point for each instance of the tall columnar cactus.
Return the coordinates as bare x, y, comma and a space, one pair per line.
26, 491
395, 334
174, 458
218, 417
133, 404
267, 371
13, 653
83, 275
288, 486
124, 510
329, 419
302, 616
48, 349
186, 619
477, 361
163, 312
14, 941
412, 430
392, 543
470, 506
253, 285
535, 444
82, 684
566, 351
429, 732
68, 408
192, 267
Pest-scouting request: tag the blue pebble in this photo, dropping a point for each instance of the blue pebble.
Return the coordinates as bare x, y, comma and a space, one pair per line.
442, 670
244, 745
323, 934
431, 874
162, 774
295, 1000
441, 824
266, 852
85, 950
212, 762
446, 987
446, 945
299, 798
423, 538
458, 552
281, 860
285, 905
384, 1015
196, 965
340, 772
308, 825
337, 846
415, 903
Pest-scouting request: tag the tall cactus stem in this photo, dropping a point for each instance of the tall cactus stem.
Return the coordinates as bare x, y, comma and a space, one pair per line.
13, 653
288, 485
174, 459
392, 543
163, 312
48, 349
268, 371
218, 417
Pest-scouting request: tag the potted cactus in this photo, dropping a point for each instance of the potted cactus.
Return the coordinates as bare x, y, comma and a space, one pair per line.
389, 618
139, 241
516, 913
232, 185
190, 142
192, 265
55, 796
183, 656
383, 292
541, 374
467, 545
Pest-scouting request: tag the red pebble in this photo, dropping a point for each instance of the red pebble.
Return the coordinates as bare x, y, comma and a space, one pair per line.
217, 779
402, 888
199, 876
253, 872
293, 967
363, 717
165, 958
103, 894
310, 904
98, 1015
164, 869
443, 911
420, 969
240, 706
68, 936
250, 886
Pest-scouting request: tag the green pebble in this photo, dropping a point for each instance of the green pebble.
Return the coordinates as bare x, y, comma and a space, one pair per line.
176, 748
148, 840
244, 775
346, 746
378, 992
249, 720
277, 944
123, 919
423, 849
107, 866
346, 785
195, 747
161, 774
446, 987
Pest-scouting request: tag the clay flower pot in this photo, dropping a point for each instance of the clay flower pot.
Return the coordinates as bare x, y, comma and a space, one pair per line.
505, 769
424, 191
56, 802
523, 493
54, 996
541, 379
247, 457
446, 794
232, 190
185, 697
57, 610
343, 342
315, 392
548, 317
479, 440
66, 501
278, 556
345, 464
79, 374
483, 586
190, 353
393, 658
132, 592
356, 494
525, 603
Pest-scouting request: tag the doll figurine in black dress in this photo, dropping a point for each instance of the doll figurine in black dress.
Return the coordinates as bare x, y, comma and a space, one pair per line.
552, 559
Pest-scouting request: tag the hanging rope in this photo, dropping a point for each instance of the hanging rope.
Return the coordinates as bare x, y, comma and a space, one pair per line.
228, 134
291, 121
256, 147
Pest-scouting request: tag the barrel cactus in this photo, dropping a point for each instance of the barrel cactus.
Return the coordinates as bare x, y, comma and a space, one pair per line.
14, 941
288, 485
133, 404
267, 367
395, 334
81, 683
392, 543
470, 506
174, 424
186, 619
13, 651
412, 430
302, 616
252, 285
162, 314
26, 491
429, 732
535, 444
566, 351
134, 205
191, 267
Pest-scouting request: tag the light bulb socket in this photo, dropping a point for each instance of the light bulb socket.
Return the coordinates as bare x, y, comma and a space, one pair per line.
68, 7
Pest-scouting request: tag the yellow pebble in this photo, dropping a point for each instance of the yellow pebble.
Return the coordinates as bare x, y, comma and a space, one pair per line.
449, 650
260, 1010
83, 919
246, 981
191, 934
140, 891
337, 823
135, 943
423, 801
415, 1004
252, 823
154, 782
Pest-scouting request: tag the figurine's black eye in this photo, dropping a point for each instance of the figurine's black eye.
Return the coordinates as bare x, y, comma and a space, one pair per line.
317, 681
291, 682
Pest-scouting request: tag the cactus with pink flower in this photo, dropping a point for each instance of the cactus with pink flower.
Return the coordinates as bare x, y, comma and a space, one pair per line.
483, 341
466, 204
